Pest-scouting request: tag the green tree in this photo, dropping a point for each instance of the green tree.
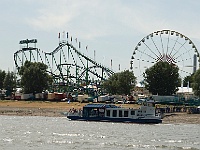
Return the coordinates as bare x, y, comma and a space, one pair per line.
196, 83
2, 77
162, 78
9, 81
120, 83
188, 79
34, 78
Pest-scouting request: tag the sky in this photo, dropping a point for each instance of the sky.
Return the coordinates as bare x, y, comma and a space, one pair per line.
110, 27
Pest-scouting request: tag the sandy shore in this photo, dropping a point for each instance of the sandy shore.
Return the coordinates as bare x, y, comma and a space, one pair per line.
56, 109
176, 118
36, 108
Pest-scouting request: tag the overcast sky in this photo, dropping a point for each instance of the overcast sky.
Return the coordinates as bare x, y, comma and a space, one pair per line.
110, 27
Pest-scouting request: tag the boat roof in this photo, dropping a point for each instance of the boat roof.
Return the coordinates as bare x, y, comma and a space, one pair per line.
100, 106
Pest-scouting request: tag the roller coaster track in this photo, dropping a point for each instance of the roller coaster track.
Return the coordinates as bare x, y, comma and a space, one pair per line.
66, 63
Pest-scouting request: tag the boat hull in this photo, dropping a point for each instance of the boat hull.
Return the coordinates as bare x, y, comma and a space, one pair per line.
123, 120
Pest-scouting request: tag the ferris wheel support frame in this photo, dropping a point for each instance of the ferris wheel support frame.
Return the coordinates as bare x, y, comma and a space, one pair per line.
161, 55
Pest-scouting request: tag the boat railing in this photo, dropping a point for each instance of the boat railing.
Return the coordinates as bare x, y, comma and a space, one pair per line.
153, 116
74, 113
93, 115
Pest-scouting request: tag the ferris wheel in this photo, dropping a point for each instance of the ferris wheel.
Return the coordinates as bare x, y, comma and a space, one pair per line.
167, 46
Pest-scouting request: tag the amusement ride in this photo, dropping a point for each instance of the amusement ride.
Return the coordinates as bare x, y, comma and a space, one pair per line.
167, 46
70, 67
66, 63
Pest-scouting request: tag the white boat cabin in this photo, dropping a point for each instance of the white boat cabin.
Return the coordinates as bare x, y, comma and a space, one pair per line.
112, 111
143, 111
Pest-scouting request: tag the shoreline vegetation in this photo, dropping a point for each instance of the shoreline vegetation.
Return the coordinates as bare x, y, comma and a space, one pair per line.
56, 109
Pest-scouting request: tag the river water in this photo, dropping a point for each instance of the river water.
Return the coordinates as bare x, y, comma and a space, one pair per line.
58, 133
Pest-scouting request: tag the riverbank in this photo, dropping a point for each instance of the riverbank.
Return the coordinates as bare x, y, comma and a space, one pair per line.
36, 108
56, 109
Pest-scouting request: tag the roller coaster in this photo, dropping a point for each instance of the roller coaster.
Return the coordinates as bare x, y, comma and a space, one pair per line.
66, 63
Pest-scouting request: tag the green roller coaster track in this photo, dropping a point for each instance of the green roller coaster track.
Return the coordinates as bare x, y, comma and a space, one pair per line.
66, 63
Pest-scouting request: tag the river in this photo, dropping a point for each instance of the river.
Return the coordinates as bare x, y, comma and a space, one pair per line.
58, 133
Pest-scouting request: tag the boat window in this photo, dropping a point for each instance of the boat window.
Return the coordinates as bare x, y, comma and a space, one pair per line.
114, 113
120, 113
132, 112
94, 113
126, 113
108, 113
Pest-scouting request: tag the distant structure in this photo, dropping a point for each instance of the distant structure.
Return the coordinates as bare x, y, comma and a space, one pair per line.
167, 46
185, 92
195, 63
67, 63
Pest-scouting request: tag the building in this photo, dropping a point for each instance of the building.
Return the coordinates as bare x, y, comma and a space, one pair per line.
185, 92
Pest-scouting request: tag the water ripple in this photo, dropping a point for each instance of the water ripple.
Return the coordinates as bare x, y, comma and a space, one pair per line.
23, 133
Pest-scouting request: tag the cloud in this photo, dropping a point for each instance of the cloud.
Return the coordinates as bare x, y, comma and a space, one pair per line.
49, 21
93, 19
52, 17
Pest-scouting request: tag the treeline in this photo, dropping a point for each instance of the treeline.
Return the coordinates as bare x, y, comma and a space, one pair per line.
162, 79
7, 80
33, 78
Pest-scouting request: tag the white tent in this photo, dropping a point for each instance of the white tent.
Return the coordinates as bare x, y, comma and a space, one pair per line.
184, 90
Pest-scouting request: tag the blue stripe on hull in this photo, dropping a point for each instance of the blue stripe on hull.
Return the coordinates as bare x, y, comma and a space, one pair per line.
125, 120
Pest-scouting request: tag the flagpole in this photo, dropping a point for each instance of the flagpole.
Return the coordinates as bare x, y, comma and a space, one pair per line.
76, 64
86, 66
63, 37
67, 36
182, 85
59, 37
94, 54
111, 63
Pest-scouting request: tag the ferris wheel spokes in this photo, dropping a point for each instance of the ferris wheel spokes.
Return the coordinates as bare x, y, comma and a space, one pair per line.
165, 45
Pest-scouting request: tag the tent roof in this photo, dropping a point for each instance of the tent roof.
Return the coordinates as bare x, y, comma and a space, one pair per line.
184, 90
99, 106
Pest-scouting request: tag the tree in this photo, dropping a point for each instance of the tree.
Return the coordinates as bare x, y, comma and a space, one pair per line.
9, 81
120, 83
162, 78
188, 80
2, 77
196, 83
34, 78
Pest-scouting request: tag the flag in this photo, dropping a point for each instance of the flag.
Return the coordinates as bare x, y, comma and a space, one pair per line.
86, 47
63, 34
94, 54
59, 35
182, 83
71, 38
79, 44
76, 40
67, 35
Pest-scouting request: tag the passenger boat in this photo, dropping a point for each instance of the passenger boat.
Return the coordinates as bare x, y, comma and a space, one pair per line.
112, 113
